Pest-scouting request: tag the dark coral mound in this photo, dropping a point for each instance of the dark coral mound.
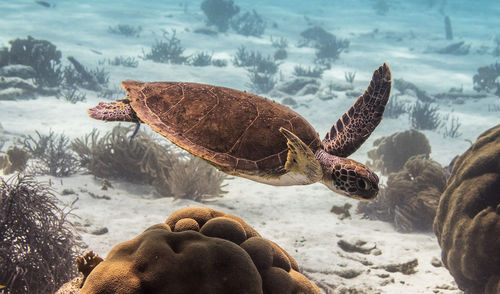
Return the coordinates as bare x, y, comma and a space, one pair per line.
198, 250
393, 151
411, 197
37, 245
467, 223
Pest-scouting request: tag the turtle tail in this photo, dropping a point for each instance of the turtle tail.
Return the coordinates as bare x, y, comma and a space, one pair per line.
119, 110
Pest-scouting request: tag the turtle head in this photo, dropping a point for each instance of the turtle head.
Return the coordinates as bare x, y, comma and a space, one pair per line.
119, 110
348, 177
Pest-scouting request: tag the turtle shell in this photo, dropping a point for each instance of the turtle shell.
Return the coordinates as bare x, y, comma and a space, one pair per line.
233, 130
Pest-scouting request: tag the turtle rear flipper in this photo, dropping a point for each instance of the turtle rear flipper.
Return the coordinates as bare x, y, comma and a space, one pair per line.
301, 161
356, 125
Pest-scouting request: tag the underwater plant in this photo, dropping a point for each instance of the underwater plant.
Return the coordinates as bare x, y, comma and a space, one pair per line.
115, 156
255, 60
219, 62
394, 108
201, 59
392, 152
78, 75
37, 244
192, 178
219, 13
51, 154
349, 76
41, 55
451, 127
72, 95
467, 223
166, 51
249, 24
199, 250
280, 44
302, 71
261, 70
144, 160
124, 61
411, 196
425, 116
125, 30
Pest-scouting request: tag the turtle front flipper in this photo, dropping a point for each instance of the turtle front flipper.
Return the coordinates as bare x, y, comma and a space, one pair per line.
356, 125
301, 164
119, 110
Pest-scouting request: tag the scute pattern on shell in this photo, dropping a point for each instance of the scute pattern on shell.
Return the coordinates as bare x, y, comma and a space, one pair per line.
230, 128
467, 222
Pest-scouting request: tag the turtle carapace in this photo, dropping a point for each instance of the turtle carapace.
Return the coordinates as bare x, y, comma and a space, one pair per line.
253, 137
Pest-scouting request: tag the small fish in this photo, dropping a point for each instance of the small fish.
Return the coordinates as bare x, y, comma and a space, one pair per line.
43, 3
2, 286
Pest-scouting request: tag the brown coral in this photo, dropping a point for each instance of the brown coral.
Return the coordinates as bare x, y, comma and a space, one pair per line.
467, 222
225, 256
393, 151
411, 197
14, 160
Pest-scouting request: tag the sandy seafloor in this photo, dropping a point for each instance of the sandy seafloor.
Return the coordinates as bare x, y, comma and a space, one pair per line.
297, 218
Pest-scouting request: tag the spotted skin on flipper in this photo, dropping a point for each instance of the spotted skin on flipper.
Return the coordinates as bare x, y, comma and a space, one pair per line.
356, 125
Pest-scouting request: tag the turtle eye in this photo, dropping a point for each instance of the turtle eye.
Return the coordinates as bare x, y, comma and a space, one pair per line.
363, 184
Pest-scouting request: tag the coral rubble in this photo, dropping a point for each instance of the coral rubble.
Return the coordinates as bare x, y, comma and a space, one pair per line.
467, 222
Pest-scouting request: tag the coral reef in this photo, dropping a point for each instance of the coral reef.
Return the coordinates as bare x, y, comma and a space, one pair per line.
467, 222
393, 151
219, 13
51, 154
42, 56
37, 248
168, 51
411, 197
14, 160
144, 160
198, 250
486, 79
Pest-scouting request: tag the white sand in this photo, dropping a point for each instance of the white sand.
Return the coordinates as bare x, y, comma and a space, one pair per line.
297, 218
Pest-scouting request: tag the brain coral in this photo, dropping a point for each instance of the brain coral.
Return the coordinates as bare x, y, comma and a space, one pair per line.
198, 250
467, 222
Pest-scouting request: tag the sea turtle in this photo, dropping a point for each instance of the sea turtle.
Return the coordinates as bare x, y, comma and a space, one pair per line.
253, 137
